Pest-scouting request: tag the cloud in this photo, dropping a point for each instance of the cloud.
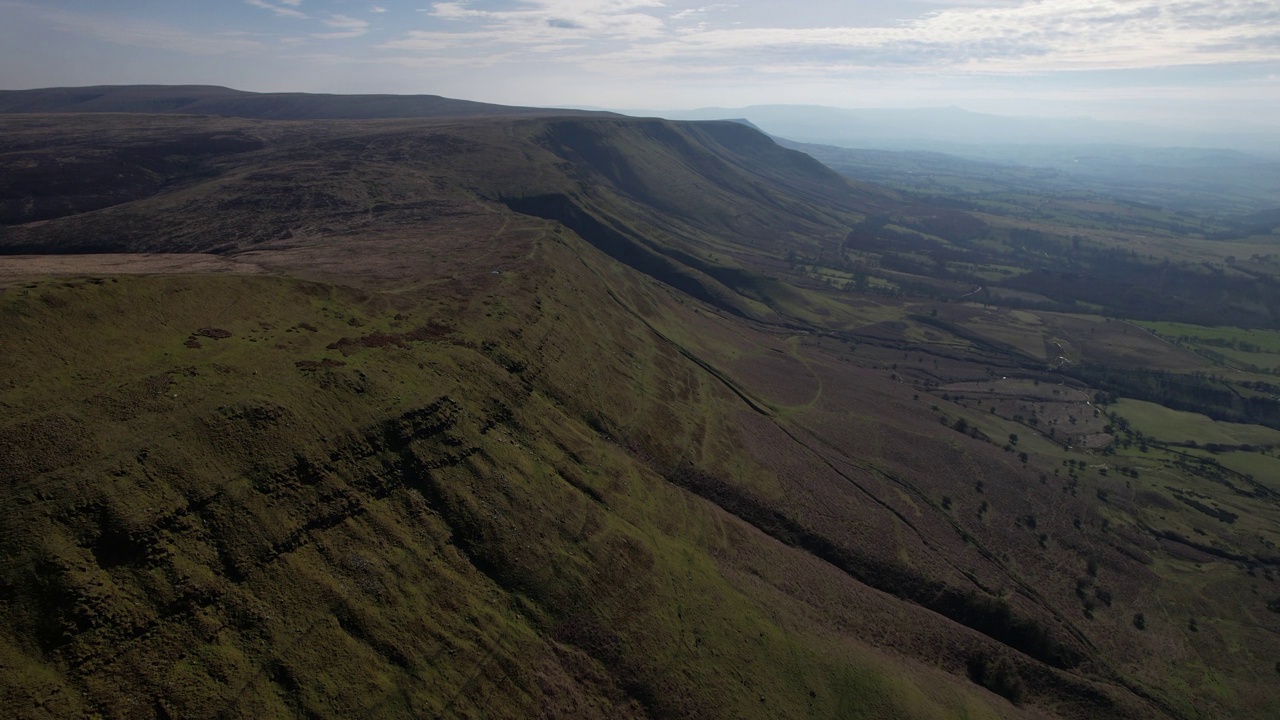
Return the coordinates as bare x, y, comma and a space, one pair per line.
346, 27
152, 34
1019, 37
138, 33
536, 23
695, 12
280, 9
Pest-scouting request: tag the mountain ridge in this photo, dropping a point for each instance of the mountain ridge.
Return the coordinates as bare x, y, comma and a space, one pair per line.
964, 132
217, 100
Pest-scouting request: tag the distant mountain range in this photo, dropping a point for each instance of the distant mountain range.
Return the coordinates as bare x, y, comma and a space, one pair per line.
1226, 184
958, 131
1223, 175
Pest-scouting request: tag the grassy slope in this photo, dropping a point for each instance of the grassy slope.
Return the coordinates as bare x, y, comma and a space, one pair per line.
635, 501
223, 533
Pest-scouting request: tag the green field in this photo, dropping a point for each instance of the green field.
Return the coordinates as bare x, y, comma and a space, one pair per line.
1268, 341
1242, 348
1263, 468
1174, 426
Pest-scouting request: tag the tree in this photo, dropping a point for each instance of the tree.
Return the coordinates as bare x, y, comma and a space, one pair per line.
998, 675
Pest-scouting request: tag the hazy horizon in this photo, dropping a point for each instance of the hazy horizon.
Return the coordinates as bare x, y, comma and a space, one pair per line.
1184, 64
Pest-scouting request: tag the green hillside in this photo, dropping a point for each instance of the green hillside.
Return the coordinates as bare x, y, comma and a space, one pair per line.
560, 418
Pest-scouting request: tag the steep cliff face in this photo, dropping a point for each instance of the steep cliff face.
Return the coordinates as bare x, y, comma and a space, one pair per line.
688, 185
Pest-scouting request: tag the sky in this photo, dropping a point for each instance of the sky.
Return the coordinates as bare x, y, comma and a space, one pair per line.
1212, 64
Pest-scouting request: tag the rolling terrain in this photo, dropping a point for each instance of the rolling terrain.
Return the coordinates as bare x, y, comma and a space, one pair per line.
1229, 194
581, 416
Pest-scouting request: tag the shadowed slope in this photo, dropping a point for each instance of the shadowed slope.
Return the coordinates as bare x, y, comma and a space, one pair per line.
717, 201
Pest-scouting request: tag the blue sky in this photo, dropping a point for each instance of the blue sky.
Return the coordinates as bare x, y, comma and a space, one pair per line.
1189, 62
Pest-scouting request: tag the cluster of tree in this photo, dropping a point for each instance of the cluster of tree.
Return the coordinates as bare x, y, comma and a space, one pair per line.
1193, 393
1218, 513
998, 675
1068, 270
1226, 343
1127, 287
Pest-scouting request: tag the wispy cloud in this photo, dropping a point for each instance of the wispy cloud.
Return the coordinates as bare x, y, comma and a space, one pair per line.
699, 11
138, 33
345, 27
287, 8
342, 27
1036, 37
537, 24
1033, 36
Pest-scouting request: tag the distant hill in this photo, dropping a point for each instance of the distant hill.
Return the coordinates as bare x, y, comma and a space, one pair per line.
1225, 184
958, 131
213, 100
1224, 176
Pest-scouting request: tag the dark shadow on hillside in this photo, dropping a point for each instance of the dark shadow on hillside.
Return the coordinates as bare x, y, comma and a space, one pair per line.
624, 249
991, 616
